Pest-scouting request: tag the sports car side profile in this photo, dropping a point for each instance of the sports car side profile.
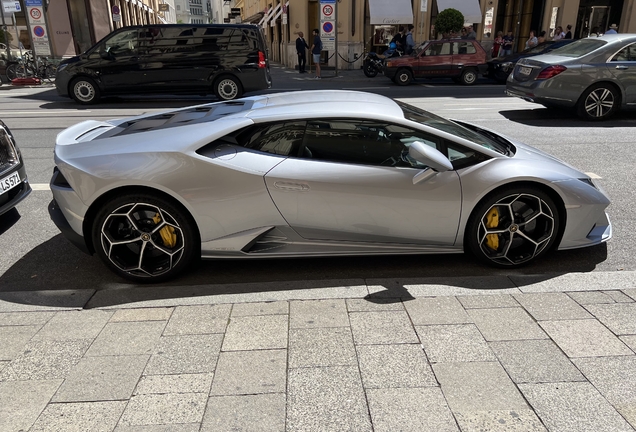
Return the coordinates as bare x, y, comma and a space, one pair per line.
308, 174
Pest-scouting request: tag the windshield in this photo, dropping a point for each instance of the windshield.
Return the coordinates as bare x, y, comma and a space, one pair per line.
426, 118
579, 48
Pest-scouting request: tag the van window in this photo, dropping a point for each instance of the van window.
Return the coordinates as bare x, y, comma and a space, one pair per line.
179, 40
121, 44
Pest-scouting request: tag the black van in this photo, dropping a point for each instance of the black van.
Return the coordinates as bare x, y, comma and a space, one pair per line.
226, 60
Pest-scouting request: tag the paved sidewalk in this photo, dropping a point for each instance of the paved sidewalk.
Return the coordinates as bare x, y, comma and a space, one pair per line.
518, 353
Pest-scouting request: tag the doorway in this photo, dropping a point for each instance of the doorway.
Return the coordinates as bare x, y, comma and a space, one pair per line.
595, 16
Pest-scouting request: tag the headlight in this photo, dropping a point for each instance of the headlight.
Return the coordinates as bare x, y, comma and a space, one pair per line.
62, 67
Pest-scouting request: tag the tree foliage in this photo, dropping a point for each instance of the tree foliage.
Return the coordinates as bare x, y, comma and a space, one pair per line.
449, 21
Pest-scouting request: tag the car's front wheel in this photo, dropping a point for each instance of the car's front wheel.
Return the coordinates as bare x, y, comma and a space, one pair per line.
513, 227
145, 238
468, 77
84, 91
227, 88
599, 102
403, 77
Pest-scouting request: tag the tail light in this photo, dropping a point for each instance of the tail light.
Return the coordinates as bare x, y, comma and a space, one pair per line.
550, 71
261, 60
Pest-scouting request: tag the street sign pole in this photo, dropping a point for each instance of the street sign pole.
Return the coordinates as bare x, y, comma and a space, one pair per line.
335, 17
5, 34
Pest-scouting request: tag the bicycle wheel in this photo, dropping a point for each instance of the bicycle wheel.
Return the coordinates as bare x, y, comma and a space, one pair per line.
49, 72
12, 71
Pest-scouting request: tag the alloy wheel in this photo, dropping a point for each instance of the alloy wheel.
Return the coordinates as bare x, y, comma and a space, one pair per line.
599, 102
516, 229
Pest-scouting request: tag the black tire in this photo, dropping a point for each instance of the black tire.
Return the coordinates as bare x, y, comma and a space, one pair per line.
599, 102
369, 70
12, 71
49, 72
228, 87
469, 76
403, 77
84, 91
526, 225
146, 226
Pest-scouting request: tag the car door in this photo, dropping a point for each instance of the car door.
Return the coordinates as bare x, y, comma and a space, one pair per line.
463, 54
435, 60
116, 62
623, 68
353, 181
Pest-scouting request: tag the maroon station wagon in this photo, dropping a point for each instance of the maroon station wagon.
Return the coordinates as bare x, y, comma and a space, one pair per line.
459, 59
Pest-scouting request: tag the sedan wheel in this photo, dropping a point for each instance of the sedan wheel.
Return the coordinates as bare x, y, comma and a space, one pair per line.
513, 227
144, 238
599, 102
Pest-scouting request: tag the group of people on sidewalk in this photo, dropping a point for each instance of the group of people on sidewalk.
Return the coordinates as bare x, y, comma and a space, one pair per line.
301, 51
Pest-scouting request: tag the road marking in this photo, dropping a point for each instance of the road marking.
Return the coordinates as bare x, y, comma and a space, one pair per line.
40, 186
593, 176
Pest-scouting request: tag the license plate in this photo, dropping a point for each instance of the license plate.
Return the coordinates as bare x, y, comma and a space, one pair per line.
525, 70
9, 182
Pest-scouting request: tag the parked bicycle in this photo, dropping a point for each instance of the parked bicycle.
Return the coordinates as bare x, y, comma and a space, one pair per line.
28, 67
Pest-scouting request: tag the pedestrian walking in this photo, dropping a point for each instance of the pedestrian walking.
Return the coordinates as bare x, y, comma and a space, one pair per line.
508, 40
316, 49
301, 51
410, 43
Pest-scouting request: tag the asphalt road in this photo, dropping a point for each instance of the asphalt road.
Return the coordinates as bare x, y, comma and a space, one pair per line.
34, 256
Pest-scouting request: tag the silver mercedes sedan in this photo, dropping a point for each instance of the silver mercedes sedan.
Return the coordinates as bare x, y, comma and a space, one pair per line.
595, 76
310, 174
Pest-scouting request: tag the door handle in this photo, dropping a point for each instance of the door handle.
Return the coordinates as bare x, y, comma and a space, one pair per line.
291, 186
621, 67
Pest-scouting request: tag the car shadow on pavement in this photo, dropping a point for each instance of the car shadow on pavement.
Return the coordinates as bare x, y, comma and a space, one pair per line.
55, 266
9, 219
551, 117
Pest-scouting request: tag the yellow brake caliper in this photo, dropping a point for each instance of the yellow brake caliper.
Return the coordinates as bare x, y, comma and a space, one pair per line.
492, 221
168, 236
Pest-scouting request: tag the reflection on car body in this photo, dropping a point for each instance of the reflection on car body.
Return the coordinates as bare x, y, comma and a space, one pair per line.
14, 184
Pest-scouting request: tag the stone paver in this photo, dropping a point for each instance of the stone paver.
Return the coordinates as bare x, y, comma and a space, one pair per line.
102, 378
13, 339
74, 325
454, 343
180, 383
488, 301
256, 332
615, 379
25, 318
161, 409
551, 306
585, 338
437, 310
389, 327
185, 354
127, 338
329, 346
261, 308
630, 341
619, 296
326, 399
250, 372
394, 409
566, 407
21, 402
506, 324
591, 297
520, 420
142, 314
535, 361
80, 417
205, 319
47, 359
188, 427
631, 293
318, 313
384, 366
620, 318
248, 413
375, 305
478, 386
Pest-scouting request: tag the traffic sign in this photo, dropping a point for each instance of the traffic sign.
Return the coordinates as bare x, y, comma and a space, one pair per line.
39, 31
117, 13
11, 7
327, 10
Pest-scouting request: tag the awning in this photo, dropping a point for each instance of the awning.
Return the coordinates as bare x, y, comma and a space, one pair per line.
391, 12
469, 8
254, 18
269, 16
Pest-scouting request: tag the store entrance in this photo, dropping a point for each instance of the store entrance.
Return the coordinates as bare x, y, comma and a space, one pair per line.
595, 17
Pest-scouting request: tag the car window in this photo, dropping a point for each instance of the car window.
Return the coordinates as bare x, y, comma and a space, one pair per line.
463, 48
580, 47
462, 157
436, 49
122, 44
179, 40
626, 54
283, 138
363, 142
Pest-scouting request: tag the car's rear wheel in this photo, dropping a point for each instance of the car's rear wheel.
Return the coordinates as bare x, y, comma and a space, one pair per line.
599, 102
403, 77
84, 91
513, 227
468, 77
227, 88
145, 238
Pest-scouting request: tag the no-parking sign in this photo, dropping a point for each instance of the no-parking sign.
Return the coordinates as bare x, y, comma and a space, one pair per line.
328, 24
37, 24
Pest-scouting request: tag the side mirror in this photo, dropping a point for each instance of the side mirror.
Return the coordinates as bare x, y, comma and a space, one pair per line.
429, 156
106, 55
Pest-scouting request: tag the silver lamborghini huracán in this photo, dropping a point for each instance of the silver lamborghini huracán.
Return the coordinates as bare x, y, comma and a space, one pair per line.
312, 174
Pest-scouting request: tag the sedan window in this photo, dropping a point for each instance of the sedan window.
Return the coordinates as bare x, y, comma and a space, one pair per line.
363, 142
579, 48
626, 54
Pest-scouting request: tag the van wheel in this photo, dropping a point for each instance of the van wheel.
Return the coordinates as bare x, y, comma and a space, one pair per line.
84, 91
227, 88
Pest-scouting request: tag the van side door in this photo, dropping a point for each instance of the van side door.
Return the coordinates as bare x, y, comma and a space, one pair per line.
116, 62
